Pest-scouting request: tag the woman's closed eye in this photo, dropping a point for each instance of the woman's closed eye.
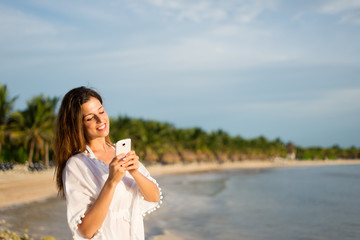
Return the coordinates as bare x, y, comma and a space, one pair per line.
91, 118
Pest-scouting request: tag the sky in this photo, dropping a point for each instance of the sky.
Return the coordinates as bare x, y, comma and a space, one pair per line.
274, 68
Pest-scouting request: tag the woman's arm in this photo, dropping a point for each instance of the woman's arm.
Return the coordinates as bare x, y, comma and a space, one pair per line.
148, 189
96, 214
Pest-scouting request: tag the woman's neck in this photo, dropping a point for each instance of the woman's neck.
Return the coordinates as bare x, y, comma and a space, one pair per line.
98, 145
102, 150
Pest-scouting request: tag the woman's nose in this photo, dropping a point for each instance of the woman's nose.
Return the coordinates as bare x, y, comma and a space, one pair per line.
99, 119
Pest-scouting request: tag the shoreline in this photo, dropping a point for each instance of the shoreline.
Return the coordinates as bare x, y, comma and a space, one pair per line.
160, 170
19, 186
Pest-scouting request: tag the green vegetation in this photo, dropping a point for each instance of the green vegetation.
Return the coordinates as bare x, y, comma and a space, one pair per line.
25, 136
34, 127
8, 235
6, 106
162, 142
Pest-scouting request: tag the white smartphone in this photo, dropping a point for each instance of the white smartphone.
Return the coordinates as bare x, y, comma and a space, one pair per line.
123, 146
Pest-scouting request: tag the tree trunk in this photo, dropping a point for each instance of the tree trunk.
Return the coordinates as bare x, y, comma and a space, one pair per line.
47, 155
31, 153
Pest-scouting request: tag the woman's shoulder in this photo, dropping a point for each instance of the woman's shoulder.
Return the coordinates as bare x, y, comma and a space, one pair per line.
76, 166
77, 160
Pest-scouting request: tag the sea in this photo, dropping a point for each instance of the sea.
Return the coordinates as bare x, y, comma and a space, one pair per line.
288, 203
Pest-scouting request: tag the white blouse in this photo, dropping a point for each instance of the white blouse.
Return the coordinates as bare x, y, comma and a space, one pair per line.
84, 177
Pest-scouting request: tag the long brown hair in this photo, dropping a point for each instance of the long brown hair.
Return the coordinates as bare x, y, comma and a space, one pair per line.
69, 134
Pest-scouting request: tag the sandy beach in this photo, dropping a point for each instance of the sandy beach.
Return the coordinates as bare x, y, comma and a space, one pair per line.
250, 164
20, 186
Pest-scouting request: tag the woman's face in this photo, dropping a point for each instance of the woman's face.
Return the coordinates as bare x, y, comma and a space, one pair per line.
95, 119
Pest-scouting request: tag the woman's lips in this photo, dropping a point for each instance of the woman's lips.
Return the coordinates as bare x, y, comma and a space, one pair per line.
102, 127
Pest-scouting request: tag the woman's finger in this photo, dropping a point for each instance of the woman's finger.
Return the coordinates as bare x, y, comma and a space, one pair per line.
132, 167
133, 164
118, 158
130, 154
128, 163
130, 157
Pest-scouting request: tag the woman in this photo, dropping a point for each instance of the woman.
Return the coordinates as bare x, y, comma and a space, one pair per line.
106, 196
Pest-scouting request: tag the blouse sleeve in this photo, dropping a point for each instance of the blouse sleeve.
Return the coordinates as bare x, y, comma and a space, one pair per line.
147, 207
79, 193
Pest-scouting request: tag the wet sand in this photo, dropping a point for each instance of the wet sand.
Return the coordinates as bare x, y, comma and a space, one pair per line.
166, 236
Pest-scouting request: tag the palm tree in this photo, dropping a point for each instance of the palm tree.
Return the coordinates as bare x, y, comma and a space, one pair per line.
6, 106
34, 126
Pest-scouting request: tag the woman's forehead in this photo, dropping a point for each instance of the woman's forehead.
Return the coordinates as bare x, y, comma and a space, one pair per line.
91, 106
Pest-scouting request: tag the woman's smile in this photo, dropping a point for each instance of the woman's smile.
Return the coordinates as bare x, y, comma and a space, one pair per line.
102, 127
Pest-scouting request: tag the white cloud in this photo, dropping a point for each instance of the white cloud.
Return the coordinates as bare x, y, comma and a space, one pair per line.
242, 11
35, 38
250, 10
84, 10
14, 23
172, 4
331, 103
191, 10
239, 31
202, 11
196, 53
350, 18
338, 6
347, 9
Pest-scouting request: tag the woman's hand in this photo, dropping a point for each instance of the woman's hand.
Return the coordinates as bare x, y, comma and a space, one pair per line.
117, 169
131, 162
94, 217
148, 189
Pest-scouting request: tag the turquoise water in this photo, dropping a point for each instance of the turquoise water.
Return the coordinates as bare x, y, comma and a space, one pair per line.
317, 203
300, 203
